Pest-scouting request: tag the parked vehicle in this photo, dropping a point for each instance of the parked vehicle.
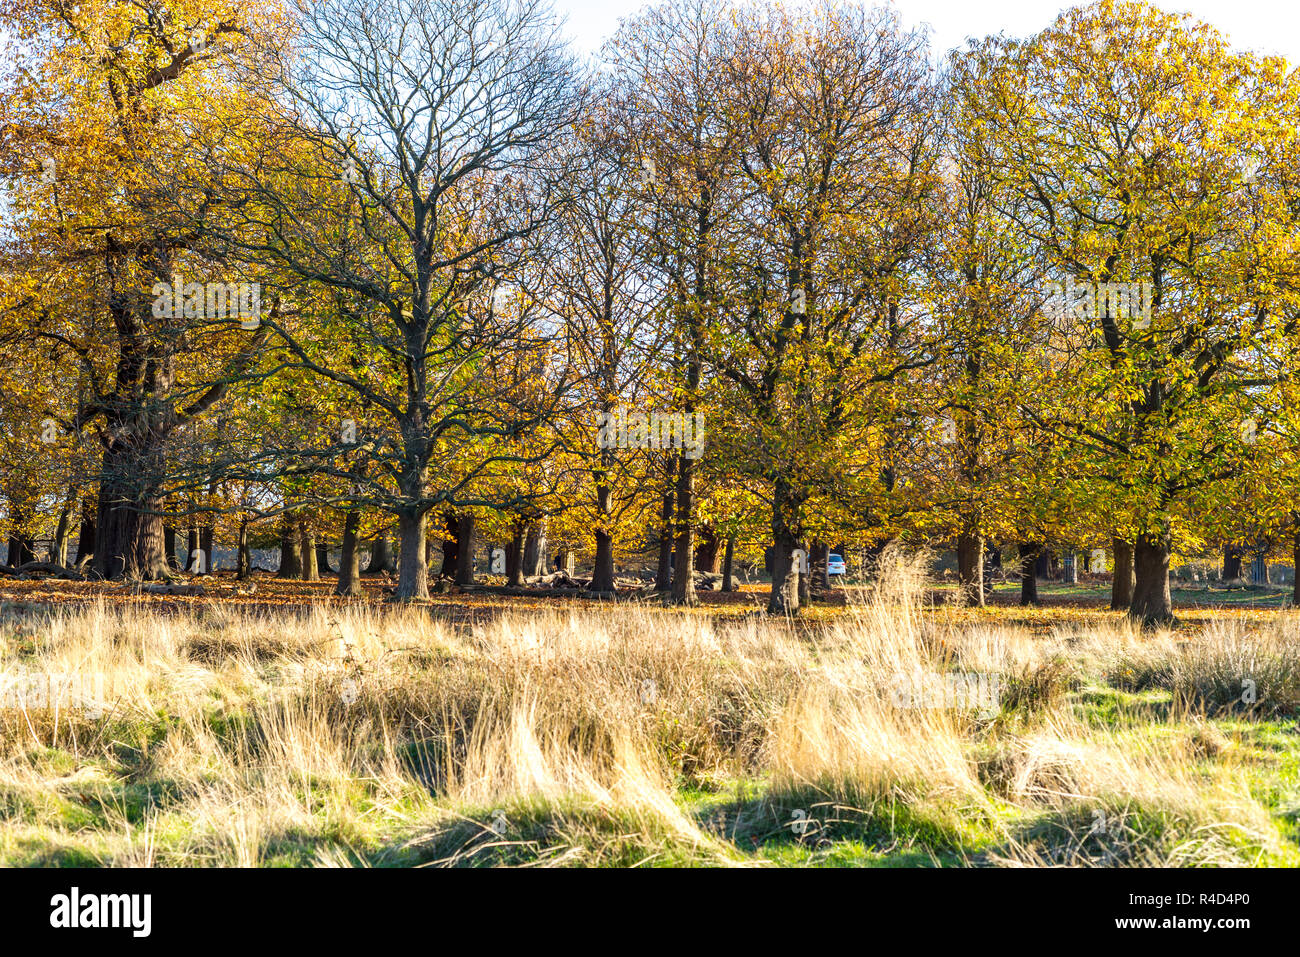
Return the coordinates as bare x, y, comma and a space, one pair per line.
836, 566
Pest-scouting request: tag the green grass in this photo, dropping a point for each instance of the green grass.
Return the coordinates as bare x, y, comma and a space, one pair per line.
750, 821
1264, 597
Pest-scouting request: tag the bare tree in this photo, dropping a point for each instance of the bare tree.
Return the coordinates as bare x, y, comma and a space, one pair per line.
409, 163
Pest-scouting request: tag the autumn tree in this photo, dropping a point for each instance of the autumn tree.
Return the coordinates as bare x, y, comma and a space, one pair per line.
1127, 136
828, 121
667, 64
600, 277
105, 92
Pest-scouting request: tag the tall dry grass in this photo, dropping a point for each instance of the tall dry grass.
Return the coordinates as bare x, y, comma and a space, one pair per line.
626, 736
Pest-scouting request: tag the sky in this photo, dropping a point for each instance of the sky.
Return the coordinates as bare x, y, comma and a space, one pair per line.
1266, 26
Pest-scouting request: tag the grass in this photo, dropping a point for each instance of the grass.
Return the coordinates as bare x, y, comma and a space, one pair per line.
1184, 594
892, 733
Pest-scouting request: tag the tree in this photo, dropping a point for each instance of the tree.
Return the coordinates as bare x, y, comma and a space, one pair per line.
96, 103
600, 279
1136, 185
667, 64
403, 164
830, 137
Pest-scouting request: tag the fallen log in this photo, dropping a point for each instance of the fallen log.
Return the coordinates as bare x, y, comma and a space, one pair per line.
185, 590
560, 579
708, 581
42, 568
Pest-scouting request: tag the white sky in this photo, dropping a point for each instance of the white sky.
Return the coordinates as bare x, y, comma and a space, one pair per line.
1267, 26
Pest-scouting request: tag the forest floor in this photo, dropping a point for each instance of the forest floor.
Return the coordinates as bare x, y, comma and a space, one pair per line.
285, 727
264, 591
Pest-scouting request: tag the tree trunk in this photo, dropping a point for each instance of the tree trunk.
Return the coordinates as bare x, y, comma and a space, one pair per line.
244, 563
515, 555
1044, 569
684, 566
786, 514
602, 575
20, 550
465, 551
684, 547
784, 599
63, 531
708, 553
1152, 604
1121, 589
129, 541
381, 555
129, 512
1029, 572
992, 565
323, 558
602, 579
1295, 578
86, 537
194, 562
450, 545
290, 548
805, 578
821, 570
349, 585
970, 568
169, 546
308, 537
207, 538
728, 565
1232, 556
535, 550
413, 571
664, 573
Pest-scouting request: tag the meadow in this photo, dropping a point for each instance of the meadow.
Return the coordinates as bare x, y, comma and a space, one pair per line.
892, 731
